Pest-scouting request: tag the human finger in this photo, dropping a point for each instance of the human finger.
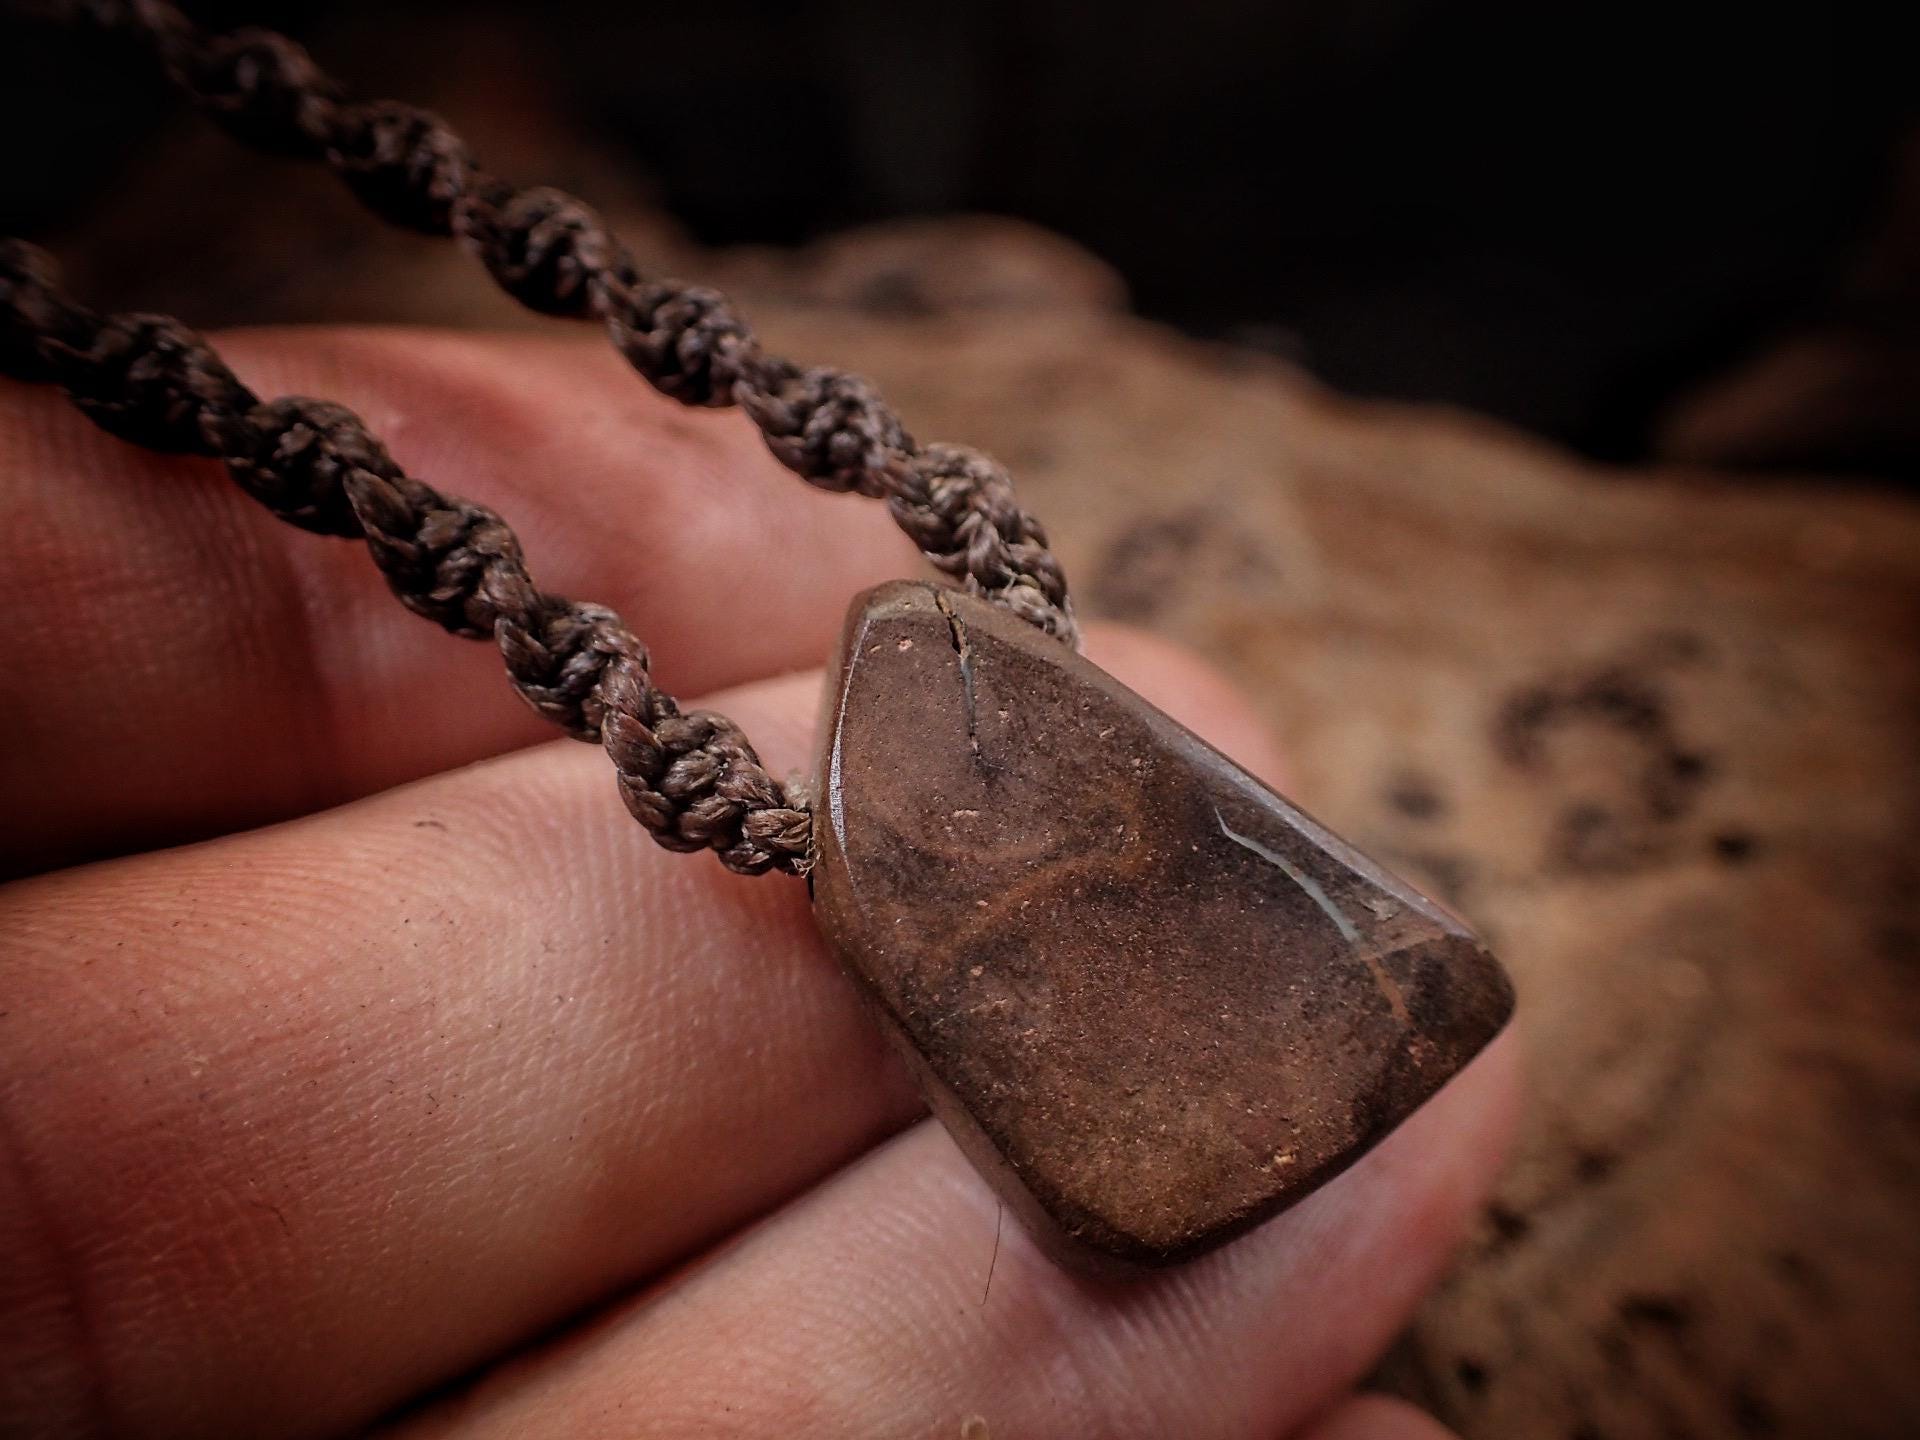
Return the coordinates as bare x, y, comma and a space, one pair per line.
893, 1300
411, 1080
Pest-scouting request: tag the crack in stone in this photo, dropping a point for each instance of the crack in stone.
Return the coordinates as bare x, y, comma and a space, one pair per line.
957, 632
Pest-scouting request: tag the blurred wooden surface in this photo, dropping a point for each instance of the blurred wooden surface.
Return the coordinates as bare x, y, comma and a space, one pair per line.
1654, 732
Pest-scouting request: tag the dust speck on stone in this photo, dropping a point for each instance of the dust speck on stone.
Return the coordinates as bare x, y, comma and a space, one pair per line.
1416, 796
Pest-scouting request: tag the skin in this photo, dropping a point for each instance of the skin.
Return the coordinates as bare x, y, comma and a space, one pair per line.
362, 1063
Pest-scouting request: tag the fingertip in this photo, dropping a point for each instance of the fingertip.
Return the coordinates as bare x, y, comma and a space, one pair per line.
1500, 1071
1193, 691
1442, 1164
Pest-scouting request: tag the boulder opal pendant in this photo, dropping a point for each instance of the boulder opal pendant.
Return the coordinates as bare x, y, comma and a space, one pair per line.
1154, 1002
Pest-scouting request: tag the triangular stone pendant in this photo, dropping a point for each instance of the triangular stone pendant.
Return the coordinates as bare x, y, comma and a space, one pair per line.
1154, 1002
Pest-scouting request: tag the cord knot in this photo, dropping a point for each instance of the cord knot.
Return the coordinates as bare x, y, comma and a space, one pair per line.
265, 89
558, 657
452, 561
959, 507
294, 455
830, 428
34, 315
403, 162
687, 341
542, 246
694, 781
151, 380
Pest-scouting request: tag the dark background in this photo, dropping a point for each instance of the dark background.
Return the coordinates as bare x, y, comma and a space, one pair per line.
1570, 216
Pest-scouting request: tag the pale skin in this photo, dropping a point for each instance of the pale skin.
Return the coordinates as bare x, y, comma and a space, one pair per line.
385, 1073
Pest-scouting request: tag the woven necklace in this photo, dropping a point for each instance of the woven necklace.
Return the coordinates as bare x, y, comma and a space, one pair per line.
1154, 1002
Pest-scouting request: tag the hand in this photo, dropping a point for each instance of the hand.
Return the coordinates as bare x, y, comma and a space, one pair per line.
363, 1084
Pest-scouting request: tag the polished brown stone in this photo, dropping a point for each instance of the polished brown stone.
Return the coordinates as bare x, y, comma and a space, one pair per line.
1154, 1002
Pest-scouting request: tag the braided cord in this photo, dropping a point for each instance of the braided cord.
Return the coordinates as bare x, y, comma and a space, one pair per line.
554, 254
691, 778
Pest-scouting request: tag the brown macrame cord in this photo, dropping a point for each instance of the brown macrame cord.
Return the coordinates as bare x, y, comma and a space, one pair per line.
692, 779
554, 253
